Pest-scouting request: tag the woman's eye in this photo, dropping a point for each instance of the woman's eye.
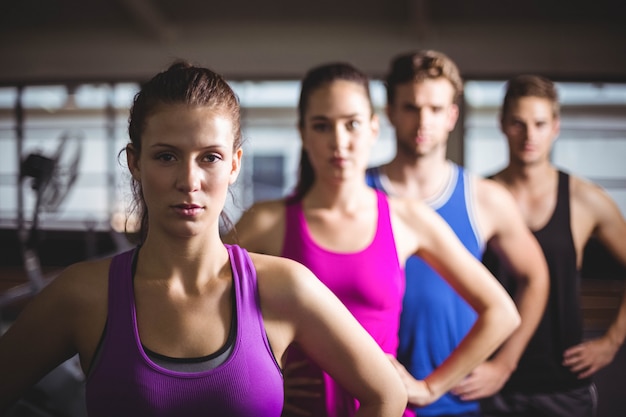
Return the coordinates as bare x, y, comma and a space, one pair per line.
165, 157
212, 158
320, 127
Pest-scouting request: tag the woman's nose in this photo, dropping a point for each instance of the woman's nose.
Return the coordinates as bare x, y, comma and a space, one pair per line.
339, 138
188, 178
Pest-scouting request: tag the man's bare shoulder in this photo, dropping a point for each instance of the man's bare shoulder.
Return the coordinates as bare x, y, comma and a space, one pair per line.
581, 187
491, 195
496, 210
590, 195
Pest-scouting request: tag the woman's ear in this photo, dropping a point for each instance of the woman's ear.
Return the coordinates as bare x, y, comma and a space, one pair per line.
236, 165
132, 160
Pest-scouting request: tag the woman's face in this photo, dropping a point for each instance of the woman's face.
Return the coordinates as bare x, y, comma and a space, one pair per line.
185, 167
338, 131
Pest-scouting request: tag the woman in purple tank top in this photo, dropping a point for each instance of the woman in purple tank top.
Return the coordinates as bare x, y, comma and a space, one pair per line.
184, 325
356, 239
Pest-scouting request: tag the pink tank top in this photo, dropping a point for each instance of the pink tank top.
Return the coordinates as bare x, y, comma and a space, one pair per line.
370, 283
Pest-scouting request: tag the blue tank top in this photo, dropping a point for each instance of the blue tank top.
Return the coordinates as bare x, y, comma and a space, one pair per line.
434, 317
123, 381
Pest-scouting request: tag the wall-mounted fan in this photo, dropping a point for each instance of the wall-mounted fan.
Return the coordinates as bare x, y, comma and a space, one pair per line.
61, 392
51, 177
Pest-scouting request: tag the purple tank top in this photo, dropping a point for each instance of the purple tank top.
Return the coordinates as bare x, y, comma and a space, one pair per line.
125, 382
370, 283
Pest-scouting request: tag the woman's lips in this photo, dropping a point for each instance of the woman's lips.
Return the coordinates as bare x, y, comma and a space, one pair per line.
188, 210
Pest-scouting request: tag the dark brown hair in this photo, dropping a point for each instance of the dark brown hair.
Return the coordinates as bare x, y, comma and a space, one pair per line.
314, 79
528, 85
181, 83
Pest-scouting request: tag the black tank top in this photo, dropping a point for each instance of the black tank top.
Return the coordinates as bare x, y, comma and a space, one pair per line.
540, 369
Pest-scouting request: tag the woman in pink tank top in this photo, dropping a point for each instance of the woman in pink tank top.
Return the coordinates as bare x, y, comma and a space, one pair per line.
184, 325
355, 240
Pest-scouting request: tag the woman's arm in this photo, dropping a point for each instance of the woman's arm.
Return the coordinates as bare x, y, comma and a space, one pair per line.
298, 308
45, 334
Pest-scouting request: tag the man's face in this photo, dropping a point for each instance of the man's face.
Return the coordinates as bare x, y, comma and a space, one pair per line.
423, 114
530, 127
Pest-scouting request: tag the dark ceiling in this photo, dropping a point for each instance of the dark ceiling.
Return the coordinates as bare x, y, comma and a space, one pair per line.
159, 16
42, 40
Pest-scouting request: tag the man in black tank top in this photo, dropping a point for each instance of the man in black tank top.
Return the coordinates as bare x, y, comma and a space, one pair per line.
553, 377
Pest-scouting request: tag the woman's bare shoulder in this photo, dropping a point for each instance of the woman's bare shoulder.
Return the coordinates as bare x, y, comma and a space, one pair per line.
78, 293
271, 267
260, 228
85, 281
283, 280
266, 208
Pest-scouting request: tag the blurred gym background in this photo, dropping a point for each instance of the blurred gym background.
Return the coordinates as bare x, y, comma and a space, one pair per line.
70, 69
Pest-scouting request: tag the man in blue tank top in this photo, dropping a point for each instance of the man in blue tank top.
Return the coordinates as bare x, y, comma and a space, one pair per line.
422, 93
563, 212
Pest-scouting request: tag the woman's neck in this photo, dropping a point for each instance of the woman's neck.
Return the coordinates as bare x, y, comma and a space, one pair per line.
346, 196
192, 258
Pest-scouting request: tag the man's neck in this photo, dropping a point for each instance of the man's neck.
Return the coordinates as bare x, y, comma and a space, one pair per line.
422, 177
517, 175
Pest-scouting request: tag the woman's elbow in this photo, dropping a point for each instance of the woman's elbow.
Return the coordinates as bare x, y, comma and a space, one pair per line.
392, 403
390, 397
